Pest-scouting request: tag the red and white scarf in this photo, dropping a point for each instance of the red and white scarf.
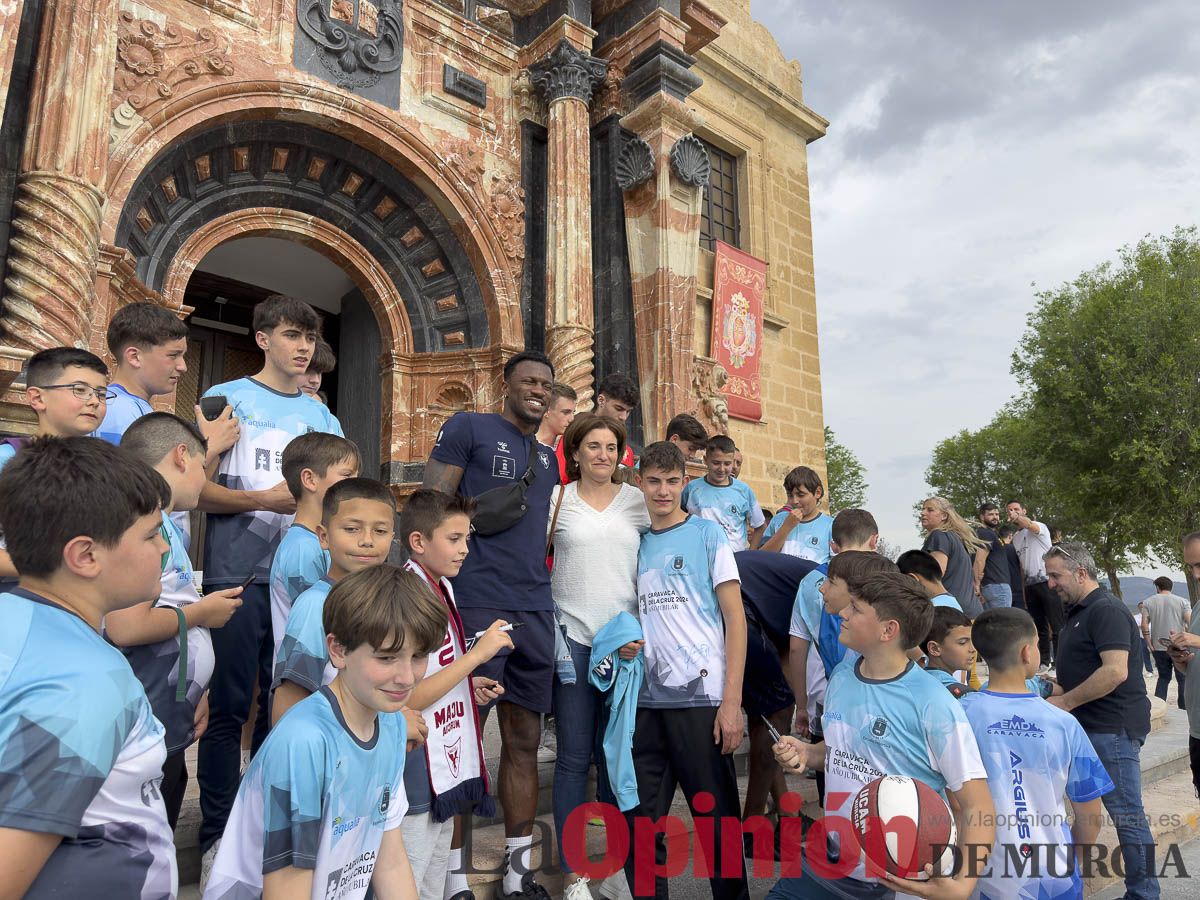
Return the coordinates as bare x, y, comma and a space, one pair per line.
458, 777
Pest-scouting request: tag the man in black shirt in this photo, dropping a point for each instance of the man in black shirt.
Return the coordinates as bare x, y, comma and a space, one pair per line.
1099, 668
991, 565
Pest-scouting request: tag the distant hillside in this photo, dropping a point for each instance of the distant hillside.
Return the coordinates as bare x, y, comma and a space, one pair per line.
1136, 589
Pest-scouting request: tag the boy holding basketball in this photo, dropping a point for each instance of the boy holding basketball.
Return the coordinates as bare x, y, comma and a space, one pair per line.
885, 715
1035, 755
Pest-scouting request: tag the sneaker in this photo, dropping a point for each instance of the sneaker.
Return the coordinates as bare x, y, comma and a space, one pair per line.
206, 864
530, 889
548, 748
615, 887
578, 890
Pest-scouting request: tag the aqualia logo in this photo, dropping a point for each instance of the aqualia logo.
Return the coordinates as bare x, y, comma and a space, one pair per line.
344, 826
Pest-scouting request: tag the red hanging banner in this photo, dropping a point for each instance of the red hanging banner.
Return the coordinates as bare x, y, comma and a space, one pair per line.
739, 284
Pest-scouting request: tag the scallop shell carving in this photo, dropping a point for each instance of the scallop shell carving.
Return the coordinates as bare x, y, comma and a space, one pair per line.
635, 165
690, 161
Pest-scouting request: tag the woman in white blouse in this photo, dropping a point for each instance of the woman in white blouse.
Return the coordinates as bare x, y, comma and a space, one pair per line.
596, 526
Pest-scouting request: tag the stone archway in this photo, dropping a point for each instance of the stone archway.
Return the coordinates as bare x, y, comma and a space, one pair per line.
228, 170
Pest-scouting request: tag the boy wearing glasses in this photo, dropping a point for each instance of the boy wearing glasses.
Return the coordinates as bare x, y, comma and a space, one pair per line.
68, 389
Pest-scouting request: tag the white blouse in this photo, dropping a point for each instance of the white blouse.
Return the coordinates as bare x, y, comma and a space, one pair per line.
595, 559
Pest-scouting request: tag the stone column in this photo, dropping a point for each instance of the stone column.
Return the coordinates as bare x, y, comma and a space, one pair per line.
56, 215
567, 77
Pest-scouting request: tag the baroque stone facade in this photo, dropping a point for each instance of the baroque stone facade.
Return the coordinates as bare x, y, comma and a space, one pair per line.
489, 176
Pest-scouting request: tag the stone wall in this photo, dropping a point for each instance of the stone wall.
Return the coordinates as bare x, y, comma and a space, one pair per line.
751, 103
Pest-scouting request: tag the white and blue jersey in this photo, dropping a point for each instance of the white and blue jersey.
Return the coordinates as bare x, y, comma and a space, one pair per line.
159, 666
240, 545
908, 725
81, 756
7, 452
679, 569
729, 505
122, 411
303, 656
808, 540
299, 563
1035, 754
315, 797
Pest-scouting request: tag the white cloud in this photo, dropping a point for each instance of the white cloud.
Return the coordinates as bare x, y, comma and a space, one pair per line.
973, 151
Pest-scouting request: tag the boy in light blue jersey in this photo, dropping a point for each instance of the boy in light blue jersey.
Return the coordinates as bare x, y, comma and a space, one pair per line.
695, 631
923, 568
80, 810
357, 524
886, 716
312, 463
948, 649
167, 641
801, 529
723, 499
319, 810
67, 389
1035, 755
149, 343
815, 621
245, 526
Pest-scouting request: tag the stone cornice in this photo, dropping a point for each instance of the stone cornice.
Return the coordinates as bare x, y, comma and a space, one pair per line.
567, 72
718, 63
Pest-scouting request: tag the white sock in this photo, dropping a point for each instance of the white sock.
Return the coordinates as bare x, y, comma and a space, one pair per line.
456, 878
517, 853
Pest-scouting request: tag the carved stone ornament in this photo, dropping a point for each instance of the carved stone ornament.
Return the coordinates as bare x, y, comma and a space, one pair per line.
507, 208
152, 61
360, 41
708, 382
690, 162
567, 72
635, 165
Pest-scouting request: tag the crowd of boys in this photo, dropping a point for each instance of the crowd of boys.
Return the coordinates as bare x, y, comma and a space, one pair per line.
367, 685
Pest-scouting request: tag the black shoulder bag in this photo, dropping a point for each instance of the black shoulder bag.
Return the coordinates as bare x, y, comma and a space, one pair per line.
501, 508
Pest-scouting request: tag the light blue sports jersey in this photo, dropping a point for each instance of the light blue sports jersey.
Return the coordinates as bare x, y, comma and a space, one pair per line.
303, 656
679, 569
122, 411
81, 756
908, 725
808, 540
1035, 754
947, 600
315, 797
299, 563
7, 452
728, 505
157, 666
237, 546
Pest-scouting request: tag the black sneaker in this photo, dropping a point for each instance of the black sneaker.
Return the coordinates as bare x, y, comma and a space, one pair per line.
530, 890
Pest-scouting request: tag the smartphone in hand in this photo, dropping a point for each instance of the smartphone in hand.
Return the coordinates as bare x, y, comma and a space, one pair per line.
211, 407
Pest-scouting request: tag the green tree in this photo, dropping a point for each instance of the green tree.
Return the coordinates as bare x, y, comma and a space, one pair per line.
845, 475
1110, 364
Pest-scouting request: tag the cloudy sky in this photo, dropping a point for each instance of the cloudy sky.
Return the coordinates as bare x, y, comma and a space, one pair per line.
975, 150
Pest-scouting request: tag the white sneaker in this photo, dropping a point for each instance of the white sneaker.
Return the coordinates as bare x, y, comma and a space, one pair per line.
206, 864
615, 887
578, 890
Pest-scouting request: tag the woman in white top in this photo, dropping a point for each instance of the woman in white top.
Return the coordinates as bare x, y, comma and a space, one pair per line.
596, 535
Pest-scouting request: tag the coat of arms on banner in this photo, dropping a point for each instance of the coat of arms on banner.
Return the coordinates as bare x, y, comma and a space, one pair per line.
454, 756
740, 333
739, 286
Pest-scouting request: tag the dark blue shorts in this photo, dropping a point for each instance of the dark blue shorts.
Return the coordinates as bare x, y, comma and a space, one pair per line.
527, 671
764, 688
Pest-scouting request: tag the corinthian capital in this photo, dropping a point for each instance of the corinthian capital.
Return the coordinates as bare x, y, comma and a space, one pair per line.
567, 72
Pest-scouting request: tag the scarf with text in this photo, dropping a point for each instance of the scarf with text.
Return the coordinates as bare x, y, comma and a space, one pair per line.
458, 777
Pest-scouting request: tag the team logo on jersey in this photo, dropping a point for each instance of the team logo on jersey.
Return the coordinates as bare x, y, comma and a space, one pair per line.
1015, 726
879, 726
732, 510
543, 459
502, 446
814, 540
677, 564
262, 460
